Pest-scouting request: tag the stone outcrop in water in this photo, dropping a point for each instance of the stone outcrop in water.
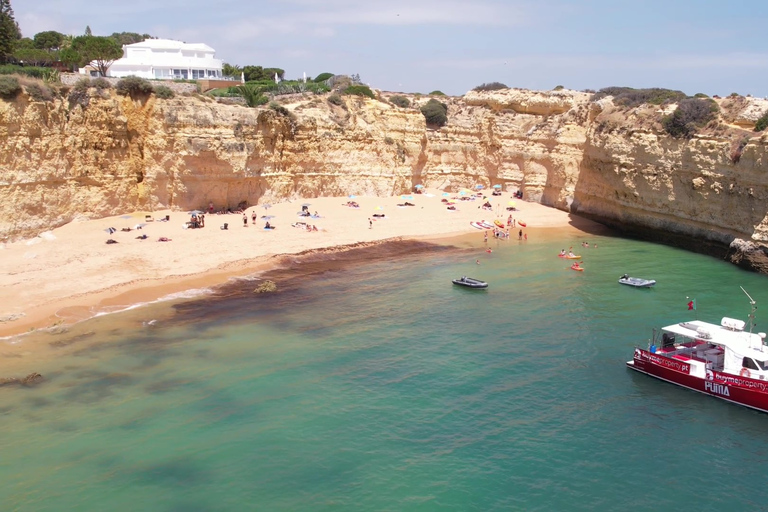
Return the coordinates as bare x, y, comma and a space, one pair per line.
609, 163
30, 380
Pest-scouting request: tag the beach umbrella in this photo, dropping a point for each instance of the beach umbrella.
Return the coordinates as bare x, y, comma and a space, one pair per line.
139, 226
267, 217
379, 207
497, 186
306, 204
125, 216
419, 186
267, 206
512, 203
351, 196
406, 197
479, 186
446, 194
195, 212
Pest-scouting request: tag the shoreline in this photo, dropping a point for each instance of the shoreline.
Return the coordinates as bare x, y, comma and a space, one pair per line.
34, 270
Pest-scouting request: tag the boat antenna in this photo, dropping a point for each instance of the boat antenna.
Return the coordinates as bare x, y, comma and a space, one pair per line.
753, 308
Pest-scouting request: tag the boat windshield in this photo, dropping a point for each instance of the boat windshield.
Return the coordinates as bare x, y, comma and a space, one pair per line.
763, 365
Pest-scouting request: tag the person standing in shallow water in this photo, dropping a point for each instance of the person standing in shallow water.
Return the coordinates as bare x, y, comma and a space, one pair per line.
520, 235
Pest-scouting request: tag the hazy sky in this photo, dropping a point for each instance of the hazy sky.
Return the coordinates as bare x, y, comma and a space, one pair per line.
714, 47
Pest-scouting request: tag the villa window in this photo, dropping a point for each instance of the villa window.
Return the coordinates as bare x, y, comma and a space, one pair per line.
180, 74
198, 73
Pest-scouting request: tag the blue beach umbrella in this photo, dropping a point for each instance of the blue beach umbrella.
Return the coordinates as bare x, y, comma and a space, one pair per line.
419, 186
479, 187
497, 186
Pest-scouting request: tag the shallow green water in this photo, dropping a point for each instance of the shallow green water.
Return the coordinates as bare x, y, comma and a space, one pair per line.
383, 387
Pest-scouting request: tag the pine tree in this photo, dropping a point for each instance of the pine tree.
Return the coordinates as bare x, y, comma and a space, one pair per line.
87, 30
9, 31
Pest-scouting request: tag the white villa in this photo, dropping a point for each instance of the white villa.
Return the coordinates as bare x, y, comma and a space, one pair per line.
167, 59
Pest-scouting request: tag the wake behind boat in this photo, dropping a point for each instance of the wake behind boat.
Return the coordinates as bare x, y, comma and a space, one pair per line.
723, 361
637, 282
470, 282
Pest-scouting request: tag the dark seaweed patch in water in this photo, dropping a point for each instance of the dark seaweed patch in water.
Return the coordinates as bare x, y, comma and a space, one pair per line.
237, 301
97, 386
190, 506
164, 386
38, 402
181, 472
72, 340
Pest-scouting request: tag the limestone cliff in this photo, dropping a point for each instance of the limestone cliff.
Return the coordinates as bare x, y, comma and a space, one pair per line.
117, 154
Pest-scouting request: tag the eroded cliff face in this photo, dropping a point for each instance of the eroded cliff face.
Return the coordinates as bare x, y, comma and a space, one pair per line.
120, 154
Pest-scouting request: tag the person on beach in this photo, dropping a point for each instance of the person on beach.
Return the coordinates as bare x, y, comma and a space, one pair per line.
245, 221
485, 237
509, 221
210, 207
370, 223
477, 261
253, 217
520, 235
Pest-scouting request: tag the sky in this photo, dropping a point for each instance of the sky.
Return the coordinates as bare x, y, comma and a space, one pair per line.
697, 46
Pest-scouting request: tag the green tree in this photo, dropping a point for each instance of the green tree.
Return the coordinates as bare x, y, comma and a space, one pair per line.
260, 74
70, 57
49, 40
34, 57
25, 43
88, 31
129, 37
231, 70
102, 51
9, 31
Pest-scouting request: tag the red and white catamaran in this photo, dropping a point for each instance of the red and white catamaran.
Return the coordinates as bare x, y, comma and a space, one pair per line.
724, 361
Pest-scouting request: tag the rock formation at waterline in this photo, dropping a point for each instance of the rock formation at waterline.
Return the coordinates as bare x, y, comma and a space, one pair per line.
63, 161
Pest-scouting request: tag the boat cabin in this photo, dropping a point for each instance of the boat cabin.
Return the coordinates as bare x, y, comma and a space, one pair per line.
726, 348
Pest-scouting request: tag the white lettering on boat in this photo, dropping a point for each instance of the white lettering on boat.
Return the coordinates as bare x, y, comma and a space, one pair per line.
741, 382
663, 361
714, 387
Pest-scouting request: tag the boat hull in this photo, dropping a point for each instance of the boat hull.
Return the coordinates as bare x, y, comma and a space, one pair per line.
470, 283
637, 282
744, 391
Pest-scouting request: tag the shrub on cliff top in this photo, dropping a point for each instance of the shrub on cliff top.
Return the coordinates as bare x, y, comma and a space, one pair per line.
335, 99
101, 83
9, 87
491, 86
629, 97
437, 93
133, 86
360, 90
762, 123
79, 93
400, 101
690, 114
322, 77
164, 92
39, 92
435, 113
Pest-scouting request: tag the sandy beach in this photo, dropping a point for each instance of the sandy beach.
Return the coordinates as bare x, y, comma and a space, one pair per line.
69, 273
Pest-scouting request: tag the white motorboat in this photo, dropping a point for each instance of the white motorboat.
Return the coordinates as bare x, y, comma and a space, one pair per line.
637, 282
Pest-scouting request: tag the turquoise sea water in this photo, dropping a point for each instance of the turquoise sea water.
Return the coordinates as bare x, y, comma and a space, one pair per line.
380, 386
